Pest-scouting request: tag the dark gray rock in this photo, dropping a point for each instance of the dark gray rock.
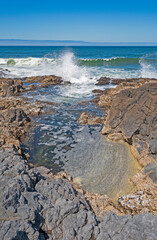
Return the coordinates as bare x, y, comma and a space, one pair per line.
139, 227
151, 168
153, 176
36, 207
153, 146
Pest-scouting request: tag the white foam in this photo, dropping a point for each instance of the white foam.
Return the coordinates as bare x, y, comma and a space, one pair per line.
147, 69
83, 78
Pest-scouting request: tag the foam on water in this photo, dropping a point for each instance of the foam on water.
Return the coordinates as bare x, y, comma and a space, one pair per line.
149, 66
68, 66
82, 73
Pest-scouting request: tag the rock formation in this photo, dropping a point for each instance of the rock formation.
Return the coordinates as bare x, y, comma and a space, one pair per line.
131, 116
35, 204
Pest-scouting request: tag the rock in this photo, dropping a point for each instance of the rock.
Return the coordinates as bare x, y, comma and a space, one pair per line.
150, 167
153, 176
44, 81
127, 227
15, 115
133, 114
9, 87
103, 81
35, 206
14, 124
131, 117
153, 146
88, 119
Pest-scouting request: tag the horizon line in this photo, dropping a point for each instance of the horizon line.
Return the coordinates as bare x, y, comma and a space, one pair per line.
29, 42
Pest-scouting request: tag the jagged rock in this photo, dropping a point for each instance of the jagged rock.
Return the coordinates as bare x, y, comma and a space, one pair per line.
103, 81
127, 227
132, 117
14, 124
88, 119
36, 206
44, 81
133, 114
9, 87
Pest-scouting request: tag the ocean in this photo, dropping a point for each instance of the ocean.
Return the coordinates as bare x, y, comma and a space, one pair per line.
56, 140
121, 62
80, 65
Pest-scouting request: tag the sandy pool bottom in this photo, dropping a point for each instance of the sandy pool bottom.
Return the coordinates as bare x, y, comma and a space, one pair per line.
102, 166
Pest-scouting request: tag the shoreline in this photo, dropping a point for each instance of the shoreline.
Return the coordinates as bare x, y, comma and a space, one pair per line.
16, 113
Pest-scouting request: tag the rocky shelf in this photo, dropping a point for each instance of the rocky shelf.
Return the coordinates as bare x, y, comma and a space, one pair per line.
35, 204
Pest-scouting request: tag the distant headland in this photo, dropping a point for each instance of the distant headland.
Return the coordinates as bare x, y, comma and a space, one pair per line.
23, 42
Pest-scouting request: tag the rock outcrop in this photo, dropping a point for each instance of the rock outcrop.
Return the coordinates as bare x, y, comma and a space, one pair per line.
15, 112
45, 81
90, 120
9, 87
35, 205
131, 116
14, 124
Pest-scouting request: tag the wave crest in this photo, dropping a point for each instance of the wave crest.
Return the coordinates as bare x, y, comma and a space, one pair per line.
113, 61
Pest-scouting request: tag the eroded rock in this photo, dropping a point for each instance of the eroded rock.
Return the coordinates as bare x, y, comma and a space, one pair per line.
9, 87
36, 205
90, 120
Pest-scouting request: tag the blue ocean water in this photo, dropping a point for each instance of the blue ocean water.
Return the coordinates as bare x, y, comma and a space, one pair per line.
121, 62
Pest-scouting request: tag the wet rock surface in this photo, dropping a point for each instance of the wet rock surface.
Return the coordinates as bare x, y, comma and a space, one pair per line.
35, 205
124, 82
103, 81
45, 81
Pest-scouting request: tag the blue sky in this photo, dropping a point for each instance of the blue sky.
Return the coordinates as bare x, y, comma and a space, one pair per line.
95, 21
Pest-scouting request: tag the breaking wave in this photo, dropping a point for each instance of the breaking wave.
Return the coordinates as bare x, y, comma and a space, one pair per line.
113, 61
81, 72
149, 66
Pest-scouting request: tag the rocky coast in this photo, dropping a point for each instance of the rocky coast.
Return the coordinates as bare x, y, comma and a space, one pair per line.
35, 204
131, 117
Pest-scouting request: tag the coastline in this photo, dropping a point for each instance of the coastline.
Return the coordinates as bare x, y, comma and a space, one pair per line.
15, 122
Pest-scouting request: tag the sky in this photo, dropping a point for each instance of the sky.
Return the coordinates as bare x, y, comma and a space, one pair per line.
86, 20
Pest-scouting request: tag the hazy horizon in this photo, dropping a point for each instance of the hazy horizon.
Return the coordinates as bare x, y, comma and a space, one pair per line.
33, 42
